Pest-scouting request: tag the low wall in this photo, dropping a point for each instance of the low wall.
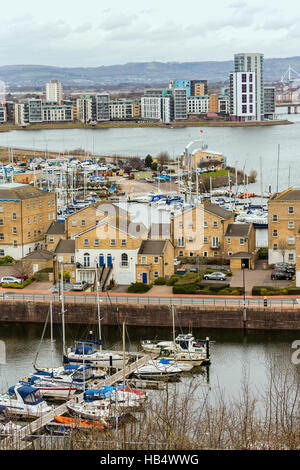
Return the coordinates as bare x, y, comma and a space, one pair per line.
154, 315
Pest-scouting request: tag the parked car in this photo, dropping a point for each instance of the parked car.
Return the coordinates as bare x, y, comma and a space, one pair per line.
79, 285
277, 274
23, 277
10, 280
215, 276
193, 270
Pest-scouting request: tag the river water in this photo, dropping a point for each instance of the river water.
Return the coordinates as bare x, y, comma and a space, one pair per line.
243, 146
234, 356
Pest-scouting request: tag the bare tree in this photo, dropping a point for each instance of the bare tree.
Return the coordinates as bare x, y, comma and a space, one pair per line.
283, 247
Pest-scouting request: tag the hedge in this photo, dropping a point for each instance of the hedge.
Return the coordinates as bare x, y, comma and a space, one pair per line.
173, 279
6, 260
214, 287
160, 281
139, 288
273, 290
15, 285
185, 289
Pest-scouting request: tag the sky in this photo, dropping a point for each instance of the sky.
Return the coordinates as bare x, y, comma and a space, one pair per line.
90, 33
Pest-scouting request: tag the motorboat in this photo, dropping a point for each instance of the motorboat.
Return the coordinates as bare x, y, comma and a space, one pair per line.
161, 368
100, 410
85, 351
24, 400
118, 395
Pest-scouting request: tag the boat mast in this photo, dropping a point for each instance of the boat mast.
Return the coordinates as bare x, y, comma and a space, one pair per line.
173, 322
51, 334
63, 309
98, 307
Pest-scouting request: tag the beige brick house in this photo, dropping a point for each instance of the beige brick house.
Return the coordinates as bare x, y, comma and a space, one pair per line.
25, 215
155, 259
283, 224
239, 245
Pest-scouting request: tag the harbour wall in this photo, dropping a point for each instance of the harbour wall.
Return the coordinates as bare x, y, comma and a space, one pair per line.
153, 315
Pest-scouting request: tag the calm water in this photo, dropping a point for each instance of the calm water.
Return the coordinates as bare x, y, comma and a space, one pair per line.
233, 355
243, 147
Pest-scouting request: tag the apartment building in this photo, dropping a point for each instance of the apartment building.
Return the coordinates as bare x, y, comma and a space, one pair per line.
3, 113
254, 63
54, 92
243, 96
93, 108
25, 215
55, 232
198, 104
57, 113
283, 225
64, 255
120, 109
180, 103
28, 111
155, 259
204, 158
269, 102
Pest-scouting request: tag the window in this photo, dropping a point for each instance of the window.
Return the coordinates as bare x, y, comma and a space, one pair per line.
205, 253
83, 223
86, 242
1, 222
2, 253
74, 223
34, 219
291, 210
205, 239
229, 253
124, 242
14, 216
180, 253
291, 257
1, 236
124, 259
144, 259
34, 234
205, 224
41, 218
34, 205
180, 223
86, 260
51, 239
15, 243
229, 240
155, 259
49, 203
191, 239
53, 215
215, 224
71, 259
156, 274
29, 234
41, 203
113, 242
14, 230
242, 241
275, 246
49, 216
275, 218
291, 225
28, 206
291, 240
275, 233
28, 220
180, 241
96, 242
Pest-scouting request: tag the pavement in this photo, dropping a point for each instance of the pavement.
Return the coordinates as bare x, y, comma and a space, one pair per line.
258, 277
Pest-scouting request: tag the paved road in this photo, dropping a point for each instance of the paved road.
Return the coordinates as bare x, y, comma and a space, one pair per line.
159, 300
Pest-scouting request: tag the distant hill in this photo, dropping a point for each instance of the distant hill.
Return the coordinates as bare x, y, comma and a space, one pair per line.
146, 72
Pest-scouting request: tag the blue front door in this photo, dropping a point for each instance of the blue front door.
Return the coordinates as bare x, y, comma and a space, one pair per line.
101, 260
145, 278
109, 260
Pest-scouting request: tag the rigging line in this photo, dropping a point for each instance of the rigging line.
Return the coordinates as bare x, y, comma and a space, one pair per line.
201, 413
42, 337
115, 314
60, 332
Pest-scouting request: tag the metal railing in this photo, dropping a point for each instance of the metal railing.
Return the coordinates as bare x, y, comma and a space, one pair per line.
154, 300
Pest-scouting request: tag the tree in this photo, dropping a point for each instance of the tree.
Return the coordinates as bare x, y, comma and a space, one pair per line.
154, 166
283, 247
162, 158
148, 161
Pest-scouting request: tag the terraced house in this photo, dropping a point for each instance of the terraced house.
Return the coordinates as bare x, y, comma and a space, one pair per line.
25, 215
283, 225
200, 230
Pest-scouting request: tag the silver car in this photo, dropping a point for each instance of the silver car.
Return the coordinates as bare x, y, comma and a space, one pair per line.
10, 280
215, 276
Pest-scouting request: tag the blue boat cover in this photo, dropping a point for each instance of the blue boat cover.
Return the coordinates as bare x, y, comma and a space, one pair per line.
90, 395
76, 367
87, 349
165, 361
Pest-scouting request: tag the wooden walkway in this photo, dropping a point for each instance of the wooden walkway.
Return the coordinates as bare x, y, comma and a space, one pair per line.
18, 440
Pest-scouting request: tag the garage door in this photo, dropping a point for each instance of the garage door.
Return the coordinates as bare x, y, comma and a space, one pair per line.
125, 278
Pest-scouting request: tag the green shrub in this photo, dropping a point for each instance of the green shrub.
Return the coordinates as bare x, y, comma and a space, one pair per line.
15, 285
160, 281
214, 286
6, 260
263, 253
138, 288
185, 289
173, 279
293, 290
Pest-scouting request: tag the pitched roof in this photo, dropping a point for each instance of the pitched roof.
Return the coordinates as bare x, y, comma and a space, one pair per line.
242, 254
133, 229
217, 210
288, 195
238, 230
56, 228
152, 247
40, 255
17, 192
65, 246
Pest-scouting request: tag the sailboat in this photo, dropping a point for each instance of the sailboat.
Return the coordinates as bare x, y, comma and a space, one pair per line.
183, 349
88, 352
